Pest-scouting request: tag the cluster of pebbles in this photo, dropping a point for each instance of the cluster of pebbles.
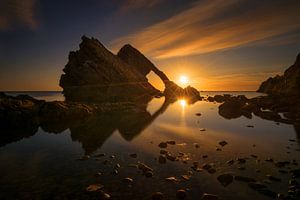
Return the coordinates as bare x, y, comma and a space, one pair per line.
287, 167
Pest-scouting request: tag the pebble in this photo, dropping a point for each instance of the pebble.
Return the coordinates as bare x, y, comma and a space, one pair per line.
218, 149
163, 145
198, 114
84, 157
127, 180
206, 196
149, 174
225, 179
162, 159
171, 142
94, 187
186, 177
181, 194
223, 143
171, 179
203, 129
230, 162
157, 196
133, 155
104, 195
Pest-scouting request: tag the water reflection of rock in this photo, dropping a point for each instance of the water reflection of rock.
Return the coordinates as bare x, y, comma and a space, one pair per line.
92, 130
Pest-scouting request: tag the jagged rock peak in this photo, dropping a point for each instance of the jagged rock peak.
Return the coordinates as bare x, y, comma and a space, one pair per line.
288, 84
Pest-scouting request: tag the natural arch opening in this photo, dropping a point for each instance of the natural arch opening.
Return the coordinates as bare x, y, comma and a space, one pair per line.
156, 81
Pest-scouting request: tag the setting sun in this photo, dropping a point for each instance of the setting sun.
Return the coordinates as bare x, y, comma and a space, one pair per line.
183, 80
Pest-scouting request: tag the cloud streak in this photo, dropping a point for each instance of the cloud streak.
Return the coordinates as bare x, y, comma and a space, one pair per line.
210, 26
137, 4
17, 13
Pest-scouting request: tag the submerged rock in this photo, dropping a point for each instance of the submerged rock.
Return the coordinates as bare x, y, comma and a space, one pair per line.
225, 179
206, 196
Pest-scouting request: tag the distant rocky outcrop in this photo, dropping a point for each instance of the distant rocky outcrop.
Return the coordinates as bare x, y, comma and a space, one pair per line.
95, 74
287, 84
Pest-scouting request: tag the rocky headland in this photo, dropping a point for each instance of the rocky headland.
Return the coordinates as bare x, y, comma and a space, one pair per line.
95, 74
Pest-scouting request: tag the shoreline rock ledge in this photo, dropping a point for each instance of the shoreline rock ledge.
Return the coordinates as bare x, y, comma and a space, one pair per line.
94, 74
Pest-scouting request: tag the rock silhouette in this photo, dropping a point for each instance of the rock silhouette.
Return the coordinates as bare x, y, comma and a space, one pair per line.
95, 74
288, 84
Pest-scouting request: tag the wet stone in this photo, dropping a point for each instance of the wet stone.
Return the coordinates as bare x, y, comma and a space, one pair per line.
223, 143
198, 114
104, 195
170, 157
94, 187
269, 160
203, 129
128, 180
162, 159
204, 156
162, 151
186, 177
171, 142
218, 149
149, 174
171, 179
225, 179
230, 162
133, 155
163, 145
181, 194
206, 196
157, 196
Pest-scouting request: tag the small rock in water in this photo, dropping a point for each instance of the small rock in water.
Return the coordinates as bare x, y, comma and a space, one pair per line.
198, 114
269, 160
171, 179
186, 177
244, 179
162, 151
127, 180
204, 156
163, 145
223, 143
145, 168
206, 196
104, 195
196, 145
157, 196
98, 174
112, 156
171, 142
181, 194
114, 172
162, 159
133, 155
94, 187
203, 129
117, 165
218, 149
250, 126
225, 179
149, 174
170, 157
230, 162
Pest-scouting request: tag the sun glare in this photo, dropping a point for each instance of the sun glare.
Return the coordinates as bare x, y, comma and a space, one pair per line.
183, 80
182, 102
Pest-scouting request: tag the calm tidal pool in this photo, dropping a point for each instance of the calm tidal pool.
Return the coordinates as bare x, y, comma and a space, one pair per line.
48, 162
